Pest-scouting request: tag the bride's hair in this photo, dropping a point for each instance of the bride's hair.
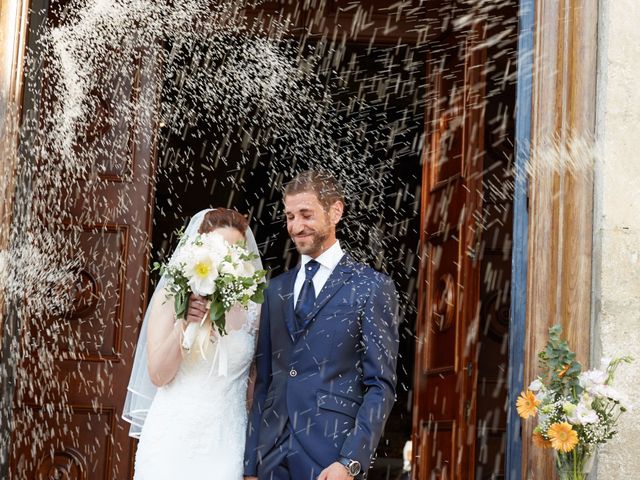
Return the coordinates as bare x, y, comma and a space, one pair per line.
223, 217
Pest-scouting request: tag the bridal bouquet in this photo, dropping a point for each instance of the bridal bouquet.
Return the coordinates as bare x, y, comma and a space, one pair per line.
209, 266
576, 410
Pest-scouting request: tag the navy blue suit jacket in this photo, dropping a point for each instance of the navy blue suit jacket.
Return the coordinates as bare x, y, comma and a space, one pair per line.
334, 379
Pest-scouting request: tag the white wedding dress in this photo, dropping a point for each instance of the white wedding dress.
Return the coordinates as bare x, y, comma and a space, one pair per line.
195, 428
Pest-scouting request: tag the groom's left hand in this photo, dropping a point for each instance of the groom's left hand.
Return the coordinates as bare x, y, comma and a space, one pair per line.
335, 471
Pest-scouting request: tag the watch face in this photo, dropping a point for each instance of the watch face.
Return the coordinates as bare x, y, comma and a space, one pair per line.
354, 468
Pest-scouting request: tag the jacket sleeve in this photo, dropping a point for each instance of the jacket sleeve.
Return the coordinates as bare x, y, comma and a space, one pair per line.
263, 379
379, 357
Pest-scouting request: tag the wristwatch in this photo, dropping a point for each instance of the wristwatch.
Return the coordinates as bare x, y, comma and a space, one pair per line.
352, 466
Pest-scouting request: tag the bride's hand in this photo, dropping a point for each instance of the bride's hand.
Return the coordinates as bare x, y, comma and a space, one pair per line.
197, 308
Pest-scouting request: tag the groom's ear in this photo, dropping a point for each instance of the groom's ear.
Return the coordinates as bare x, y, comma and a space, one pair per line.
335, 211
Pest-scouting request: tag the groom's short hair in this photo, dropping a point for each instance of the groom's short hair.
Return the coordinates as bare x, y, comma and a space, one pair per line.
323, 184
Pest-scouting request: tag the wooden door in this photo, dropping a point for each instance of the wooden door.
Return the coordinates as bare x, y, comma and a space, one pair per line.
444, 385
72, 381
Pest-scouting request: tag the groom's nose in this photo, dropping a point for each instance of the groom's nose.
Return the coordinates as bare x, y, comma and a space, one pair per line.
296, 226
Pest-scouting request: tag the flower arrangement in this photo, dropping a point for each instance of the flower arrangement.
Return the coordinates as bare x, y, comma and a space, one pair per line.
577, 410
209, 266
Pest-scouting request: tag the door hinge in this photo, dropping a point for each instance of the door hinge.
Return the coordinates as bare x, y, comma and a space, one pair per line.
467, 410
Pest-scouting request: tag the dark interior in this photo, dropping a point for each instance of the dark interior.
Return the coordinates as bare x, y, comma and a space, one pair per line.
383, 233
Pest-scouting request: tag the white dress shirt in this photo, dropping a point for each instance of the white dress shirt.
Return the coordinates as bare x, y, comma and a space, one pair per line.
328, 261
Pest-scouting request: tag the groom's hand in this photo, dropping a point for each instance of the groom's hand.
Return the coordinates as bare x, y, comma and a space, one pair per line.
197, 308
335, 471
250, 478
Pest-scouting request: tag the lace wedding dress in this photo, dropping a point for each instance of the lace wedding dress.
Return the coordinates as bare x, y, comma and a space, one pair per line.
195, 428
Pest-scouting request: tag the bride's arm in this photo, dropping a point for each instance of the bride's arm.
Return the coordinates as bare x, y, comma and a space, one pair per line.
163, 340
164, 336
250, 386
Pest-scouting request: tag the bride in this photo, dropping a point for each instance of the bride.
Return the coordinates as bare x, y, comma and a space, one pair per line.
189, 409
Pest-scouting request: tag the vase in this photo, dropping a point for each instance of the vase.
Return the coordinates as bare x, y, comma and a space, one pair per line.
575, 465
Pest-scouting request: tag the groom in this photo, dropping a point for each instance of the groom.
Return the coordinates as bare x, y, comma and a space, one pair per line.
326, 355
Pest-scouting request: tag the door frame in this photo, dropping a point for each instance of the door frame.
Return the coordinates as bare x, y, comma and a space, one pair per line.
14, 23
519, 258
13, 34
558, 63
30, 20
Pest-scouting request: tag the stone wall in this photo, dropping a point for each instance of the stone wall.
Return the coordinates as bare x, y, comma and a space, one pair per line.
616, 261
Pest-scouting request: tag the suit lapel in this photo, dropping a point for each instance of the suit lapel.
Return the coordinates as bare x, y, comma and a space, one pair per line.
287, 301
336, 280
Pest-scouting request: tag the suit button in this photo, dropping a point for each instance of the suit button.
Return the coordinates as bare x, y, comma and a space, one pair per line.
293, 372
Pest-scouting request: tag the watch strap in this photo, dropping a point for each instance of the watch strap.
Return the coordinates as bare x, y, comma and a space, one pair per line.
348, 464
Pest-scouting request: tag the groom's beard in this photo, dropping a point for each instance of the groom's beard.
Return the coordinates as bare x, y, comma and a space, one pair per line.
311, 243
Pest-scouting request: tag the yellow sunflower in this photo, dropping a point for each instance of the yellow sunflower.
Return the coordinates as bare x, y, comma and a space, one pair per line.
563, 437
527, 404
539, 441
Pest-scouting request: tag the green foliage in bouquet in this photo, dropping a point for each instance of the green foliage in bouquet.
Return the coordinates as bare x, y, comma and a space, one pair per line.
559, 364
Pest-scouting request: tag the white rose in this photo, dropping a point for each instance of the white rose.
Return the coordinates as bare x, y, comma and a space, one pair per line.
583, 415
248, 269
179, 257
227, 268
251, 290
611, 393
592, 379
234, 253
536, 385
216, 244
541, 396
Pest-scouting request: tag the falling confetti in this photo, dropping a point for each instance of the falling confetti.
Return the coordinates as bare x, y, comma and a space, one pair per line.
236, 103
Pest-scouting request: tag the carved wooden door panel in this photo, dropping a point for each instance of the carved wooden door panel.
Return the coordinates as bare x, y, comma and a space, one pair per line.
444, 385
72, 381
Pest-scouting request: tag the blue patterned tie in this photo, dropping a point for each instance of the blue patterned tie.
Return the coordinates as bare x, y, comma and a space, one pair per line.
307, 294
